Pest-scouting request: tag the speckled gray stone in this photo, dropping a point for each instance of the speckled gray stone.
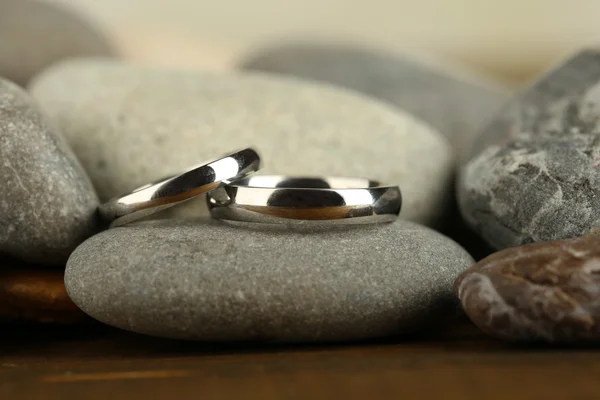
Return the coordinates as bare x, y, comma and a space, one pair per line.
535, 176
47, 203
36, 34
207, 280
457, 104
132, 125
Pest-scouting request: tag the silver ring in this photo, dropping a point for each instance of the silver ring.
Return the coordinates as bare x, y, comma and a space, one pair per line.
280, 199
168, 192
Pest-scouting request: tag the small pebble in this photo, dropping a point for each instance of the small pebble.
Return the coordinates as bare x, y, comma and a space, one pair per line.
539, 292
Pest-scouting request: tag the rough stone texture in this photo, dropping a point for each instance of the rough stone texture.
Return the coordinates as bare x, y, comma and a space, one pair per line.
34, 35
47, 203
535, 176
35, 296
130, 125
208, 280
457, 105
544, 291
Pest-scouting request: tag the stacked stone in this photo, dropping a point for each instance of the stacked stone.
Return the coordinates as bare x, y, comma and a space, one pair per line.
90, 128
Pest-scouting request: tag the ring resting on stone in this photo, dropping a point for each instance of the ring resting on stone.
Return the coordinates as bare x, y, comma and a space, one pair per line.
168, 192
280, 199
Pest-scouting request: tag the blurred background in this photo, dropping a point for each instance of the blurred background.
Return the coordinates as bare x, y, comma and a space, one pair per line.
510, 41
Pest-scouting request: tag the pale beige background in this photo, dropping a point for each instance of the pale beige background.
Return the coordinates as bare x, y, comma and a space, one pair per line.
509, 39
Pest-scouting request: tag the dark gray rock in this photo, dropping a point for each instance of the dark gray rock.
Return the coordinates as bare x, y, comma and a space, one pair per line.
457, 105
131, 125
34, 35
47, 203
535, 174
207, 280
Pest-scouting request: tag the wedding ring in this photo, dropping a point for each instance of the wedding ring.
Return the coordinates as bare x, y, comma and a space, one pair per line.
280, 199
168, 192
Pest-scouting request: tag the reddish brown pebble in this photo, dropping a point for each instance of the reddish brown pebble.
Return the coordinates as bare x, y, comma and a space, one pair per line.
36, 296
539, 292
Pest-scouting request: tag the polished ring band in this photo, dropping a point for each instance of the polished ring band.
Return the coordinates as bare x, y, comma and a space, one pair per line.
168, 192
279, 199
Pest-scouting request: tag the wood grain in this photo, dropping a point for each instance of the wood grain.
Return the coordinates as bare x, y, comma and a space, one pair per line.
461, 363
36, 295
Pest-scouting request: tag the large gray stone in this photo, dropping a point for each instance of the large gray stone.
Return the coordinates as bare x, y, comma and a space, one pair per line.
457, 104
130, 125
535, 175
47, 203
34, 35
207, 280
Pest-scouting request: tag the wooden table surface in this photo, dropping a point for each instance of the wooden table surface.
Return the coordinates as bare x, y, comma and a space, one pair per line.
458, 363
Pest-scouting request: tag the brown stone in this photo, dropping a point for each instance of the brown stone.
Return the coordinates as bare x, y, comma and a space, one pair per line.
539, 292
36, 296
